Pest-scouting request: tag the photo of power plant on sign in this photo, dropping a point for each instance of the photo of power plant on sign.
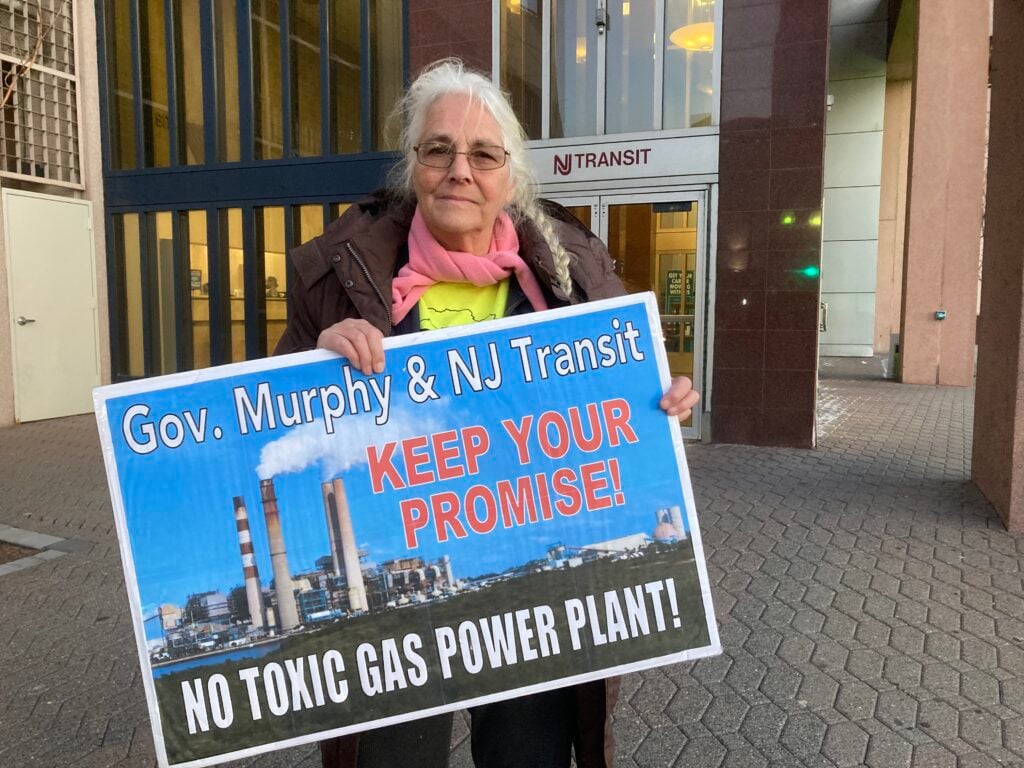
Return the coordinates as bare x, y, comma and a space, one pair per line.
213, 625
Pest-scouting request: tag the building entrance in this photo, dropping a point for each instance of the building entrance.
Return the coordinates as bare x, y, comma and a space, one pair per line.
659, 244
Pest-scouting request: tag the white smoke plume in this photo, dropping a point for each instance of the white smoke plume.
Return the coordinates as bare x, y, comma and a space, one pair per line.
346, 448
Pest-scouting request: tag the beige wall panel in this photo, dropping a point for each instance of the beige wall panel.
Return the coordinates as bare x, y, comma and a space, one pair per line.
857, 105
848, 266
851, 213
853, 159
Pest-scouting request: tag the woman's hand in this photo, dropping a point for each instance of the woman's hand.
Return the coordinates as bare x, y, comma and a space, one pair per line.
361, 342
680, 399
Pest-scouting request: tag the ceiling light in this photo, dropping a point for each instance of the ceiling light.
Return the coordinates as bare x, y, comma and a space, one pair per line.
695, 37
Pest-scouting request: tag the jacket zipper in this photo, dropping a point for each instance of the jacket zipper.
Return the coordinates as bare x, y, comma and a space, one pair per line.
366, 272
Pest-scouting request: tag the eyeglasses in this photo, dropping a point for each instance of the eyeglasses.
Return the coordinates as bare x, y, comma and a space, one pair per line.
482, 158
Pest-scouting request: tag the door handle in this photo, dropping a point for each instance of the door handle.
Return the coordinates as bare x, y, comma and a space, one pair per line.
22, 320
823, 323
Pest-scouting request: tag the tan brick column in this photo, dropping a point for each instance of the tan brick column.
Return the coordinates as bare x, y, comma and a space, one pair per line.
997, 461
944, 205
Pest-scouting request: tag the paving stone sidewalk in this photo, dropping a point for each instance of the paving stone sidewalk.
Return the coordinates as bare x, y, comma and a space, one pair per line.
871, 606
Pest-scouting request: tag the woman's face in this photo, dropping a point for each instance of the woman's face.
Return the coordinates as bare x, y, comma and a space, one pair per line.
460, 204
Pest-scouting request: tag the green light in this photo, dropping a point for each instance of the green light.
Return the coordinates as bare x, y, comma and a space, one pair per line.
788, 219
811, 271
815, 220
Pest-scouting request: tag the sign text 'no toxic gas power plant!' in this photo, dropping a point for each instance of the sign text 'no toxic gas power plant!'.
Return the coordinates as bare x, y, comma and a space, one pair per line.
310, 551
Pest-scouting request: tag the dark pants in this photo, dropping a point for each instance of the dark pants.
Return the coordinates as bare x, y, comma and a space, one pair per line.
535, 731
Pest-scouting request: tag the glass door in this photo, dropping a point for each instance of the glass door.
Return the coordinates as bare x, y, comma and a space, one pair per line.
658, 243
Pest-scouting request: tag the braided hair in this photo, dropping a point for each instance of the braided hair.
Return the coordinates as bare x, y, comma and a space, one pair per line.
450, 76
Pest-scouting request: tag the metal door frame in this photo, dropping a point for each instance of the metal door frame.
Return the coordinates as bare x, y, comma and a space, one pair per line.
599, 204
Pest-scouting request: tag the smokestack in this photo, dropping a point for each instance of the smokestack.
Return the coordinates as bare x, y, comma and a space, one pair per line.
448, 570
287, 613
332, 525
253, 592
349, 553
677, 520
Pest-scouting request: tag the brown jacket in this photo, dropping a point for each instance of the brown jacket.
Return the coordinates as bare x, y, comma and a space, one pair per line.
346, 273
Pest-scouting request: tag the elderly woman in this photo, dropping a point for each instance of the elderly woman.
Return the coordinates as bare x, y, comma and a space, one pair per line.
460, 229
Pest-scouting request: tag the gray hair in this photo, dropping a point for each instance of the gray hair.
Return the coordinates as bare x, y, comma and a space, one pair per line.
450, 76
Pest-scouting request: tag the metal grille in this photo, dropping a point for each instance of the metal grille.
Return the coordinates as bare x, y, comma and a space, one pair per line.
39, 121
19, 32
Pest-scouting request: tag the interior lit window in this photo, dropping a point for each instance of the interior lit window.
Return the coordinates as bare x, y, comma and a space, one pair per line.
199, 287
270, 225
268, 127
304, 49
228, 130
189, 81
592, 67
155, 112
234, 281
120, 88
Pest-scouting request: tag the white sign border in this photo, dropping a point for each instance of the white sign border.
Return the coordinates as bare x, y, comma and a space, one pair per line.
111, 391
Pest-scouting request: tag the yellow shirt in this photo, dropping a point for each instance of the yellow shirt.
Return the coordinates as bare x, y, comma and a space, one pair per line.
444, 305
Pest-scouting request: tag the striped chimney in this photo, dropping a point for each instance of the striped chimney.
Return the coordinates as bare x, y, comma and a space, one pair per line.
253, 591
287, 612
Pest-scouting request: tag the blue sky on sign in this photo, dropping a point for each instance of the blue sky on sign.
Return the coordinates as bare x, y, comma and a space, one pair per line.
178, 502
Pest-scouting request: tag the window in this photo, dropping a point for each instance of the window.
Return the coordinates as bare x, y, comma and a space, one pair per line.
592, 67
201, 287
292, 78
39, 113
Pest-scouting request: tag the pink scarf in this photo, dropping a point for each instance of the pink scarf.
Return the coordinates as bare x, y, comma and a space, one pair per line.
430, 263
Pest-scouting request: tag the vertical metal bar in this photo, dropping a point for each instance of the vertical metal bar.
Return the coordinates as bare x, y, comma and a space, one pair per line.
172, 82
133, 6
406, 59
291, 276
716, 68
212, 118
600, 75
115, 290
545, 70
705, 243
706, 382
365, 84
243, 27
659, 64
496, 42
182, 291
253, 278
285, 41
326, 116
149, 293
75, 155
220, 309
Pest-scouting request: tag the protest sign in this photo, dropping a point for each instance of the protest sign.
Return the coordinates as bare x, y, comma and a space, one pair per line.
309, 551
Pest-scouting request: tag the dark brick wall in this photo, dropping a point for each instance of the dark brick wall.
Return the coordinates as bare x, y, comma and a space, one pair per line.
442, 28
774, 83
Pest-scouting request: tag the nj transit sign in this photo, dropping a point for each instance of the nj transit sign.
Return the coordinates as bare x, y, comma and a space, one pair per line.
311, 552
